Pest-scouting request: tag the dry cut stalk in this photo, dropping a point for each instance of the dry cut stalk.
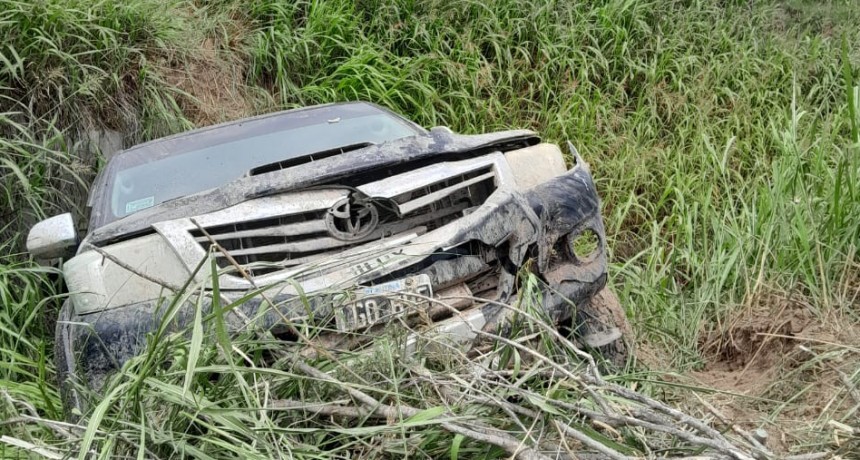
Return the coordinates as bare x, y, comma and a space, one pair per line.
512, 445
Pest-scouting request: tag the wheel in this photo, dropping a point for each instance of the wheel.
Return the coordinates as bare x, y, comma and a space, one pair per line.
64, 361
602, 326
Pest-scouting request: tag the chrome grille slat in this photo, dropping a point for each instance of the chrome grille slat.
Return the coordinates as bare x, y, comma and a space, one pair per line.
283, 230
428, 176
304, 246
430, 198
322, 264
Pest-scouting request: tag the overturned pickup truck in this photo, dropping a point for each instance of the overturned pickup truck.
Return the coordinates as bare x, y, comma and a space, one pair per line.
346, 216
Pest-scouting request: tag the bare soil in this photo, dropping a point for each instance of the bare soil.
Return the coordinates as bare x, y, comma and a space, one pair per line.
779, 366
745, 355
213, 85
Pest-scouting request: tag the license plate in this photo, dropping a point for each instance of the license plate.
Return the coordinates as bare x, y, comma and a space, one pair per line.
383, 302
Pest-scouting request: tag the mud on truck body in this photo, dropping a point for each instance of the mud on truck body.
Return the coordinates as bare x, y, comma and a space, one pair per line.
346, 216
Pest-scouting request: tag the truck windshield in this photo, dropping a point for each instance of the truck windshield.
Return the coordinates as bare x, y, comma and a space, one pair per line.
186, 164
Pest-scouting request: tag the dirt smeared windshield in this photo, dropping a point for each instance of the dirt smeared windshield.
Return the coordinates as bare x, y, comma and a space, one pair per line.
160, 171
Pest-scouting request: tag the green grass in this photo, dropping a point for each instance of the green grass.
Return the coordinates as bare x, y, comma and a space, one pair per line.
723, 137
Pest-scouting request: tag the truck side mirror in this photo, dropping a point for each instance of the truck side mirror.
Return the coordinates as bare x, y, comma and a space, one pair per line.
53, 238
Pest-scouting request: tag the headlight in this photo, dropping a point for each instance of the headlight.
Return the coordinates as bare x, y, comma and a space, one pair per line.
536, 164
97, 283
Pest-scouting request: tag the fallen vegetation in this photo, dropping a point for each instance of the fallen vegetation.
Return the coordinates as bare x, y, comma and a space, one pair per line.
724, 138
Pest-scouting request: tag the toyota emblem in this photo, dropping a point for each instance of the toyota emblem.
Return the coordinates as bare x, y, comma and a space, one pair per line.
352, 218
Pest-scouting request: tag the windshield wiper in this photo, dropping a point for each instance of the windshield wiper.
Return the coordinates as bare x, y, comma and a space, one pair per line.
284, 164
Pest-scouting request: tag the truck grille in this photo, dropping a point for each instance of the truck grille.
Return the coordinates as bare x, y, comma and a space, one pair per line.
275, 243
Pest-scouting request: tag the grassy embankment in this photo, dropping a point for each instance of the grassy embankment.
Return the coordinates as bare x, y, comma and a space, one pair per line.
724, 139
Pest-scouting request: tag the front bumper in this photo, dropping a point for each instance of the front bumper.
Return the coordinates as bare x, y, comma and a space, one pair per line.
481, 256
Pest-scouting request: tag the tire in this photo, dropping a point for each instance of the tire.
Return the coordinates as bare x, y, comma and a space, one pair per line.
603, 328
